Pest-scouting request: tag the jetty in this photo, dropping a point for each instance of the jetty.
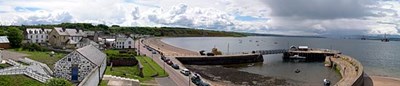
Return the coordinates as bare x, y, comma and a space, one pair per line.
350, 69
190, 57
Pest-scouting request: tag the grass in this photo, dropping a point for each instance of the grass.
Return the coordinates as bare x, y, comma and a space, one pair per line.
43, 57
18, 80
103, 83
4, 66
156, 68
109, 51
149, 69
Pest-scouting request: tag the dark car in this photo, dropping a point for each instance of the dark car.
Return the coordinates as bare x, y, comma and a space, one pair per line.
170, 63
175, 66
166, 60
163, 58
196, 79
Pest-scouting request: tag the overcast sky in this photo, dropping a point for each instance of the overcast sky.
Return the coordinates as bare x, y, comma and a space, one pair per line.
289, 17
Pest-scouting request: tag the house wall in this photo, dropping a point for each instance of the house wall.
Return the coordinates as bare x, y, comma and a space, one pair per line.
54, 39
128, 42
95, 76
5, 45
62, 68
36, 37
125, 45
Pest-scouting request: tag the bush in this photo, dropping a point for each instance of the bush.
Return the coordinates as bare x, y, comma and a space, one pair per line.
58, 82
33, 47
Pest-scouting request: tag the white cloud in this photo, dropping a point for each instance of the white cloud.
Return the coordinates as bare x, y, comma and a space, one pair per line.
213, 14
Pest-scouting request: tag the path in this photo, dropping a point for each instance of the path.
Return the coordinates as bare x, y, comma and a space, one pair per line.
7, 54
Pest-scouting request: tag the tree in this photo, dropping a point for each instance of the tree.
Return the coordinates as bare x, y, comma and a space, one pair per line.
15, 36
3, 32
58, 82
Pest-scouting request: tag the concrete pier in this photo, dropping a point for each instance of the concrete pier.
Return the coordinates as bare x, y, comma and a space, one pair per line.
310, 54
221, 59
350, 69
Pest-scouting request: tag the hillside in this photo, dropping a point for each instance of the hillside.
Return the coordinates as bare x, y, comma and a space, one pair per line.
156, 31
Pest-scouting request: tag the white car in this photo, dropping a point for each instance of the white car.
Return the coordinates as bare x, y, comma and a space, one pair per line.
185, 72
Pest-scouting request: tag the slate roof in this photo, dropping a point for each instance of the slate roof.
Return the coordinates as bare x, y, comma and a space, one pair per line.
92, 54
4, 39
37, 31
70, 32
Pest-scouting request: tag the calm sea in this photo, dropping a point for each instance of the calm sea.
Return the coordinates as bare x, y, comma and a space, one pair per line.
378, 58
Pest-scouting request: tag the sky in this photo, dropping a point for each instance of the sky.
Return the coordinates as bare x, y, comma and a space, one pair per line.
287, 17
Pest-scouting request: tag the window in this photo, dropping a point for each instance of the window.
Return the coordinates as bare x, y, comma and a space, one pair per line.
69, 59
42, 36
129, 42
31, 36
37, 36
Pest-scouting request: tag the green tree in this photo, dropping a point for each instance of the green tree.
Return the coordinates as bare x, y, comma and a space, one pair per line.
58, 82
3, 32
15, 36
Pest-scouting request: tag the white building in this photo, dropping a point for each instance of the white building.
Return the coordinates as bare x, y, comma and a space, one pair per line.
37, 35
124, 43
83, 64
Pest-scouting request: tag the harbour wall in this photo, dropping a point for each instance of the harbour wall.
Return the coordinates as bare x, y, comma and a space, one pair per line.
220, 59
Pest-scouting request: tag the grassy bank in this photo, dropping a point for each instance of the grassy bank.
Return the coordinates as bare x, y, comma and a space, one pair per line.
150, 68
18, 80
4, 66
43, 57
103, 83
154, 67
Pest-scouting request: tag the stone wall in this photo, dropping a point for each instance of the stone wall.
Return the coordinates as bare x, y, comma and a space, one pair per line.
350, 69
221, 59
63, 67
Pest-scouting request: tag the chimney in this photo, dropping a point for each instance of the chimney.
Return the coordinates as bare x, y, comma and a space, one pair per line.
63, 29
77, 30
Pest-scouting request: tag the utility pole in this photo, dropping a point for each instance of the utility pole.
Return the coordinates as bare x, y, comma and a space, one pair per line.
228, 48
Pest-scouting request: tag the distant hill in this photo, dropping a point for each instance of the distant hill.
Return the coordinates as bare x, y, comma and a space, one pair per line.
156, 31
373, 37
277, 35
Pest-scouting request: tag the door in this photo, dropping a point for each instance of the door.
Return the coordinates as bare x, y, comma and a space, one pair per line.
74, 73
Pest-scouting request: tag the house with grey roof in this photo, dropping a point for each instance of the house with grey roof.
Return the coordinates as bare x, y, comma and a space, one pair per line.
37, 35
4, 42
65, 37
86, 64
124, 42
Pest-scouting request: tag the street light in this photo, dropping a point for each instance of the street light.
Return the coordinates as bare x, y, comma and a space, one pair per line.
189, 79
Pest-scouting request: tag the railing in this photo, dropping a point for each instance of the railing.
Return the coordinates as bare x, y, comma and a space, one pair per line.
20, 69
39, 63
12, 62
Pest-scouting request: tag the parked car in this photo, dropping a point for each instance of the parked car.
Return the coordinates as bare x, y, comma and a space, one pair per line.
185, 72
195, 79
163, 58
166, 60
154, 52
175, 66
170, 63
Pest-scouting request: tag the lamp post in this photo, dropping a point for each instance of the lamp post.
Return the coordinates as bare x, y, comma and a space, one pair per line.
189, 79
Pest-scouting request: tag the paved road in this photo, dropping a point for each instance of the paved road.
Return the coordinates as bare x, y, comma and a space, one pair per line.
165, 81
7, 54
175, 76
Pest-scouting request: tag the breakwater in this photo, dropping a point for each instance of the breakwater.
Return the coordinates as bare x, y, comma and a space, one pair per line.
221, 59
